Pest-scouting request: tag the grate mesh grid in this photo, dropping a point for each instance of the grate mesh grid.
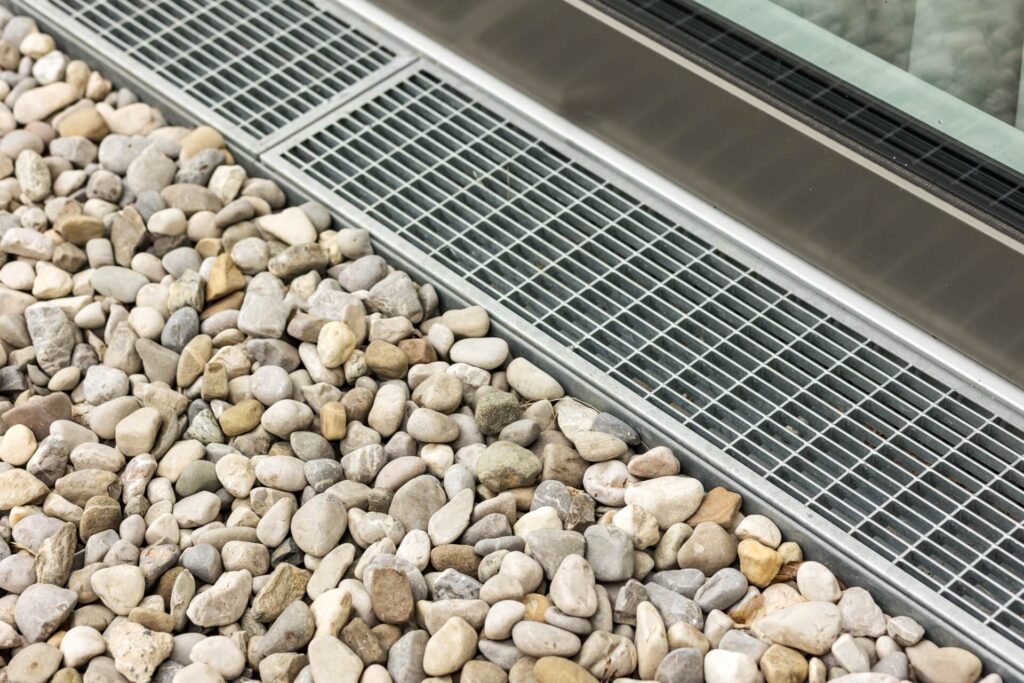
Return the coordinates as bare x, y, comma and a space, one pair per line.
260, 64
906, 465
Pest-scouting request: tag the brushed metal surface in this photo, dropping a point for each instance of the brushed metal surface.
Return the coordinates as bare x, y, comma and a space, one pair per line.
920, 255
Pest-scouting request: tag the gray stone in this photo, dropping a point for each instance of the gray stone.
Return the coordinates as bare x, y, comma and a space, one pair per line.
78, 150
396, 295
861, 616
323, 473
150, 171
181, 327
673, 607
741, 641
319, 524
627, 599
292, 630
264, 316
41, 609
203, 561
197, 169
494, 525
363, 273
405, 658
453, 585
550, 546
609, 552
609, 424
53, 336
491, 545
416, 501
722, 590
685, 665
686, 582
117, 152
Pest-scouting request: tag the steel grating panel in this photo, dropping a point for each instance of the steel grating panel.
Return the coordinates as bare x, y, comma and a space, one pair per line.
261, 65
903, 463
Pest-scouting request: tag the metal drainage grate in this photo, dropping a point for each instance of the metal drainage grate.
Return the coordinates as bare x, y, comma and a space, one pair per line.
260, 65
906, 465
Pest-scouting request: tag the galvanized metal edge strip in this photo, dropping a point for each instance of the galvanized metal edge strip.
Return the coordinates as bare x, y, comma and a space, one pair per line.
853, 309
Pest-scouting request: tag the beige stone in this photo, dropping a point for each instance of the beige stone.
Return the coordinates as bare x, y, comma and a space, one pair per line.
759, 563
85, 122
242, 417
225, 278
333, 423
561, 670
781, 664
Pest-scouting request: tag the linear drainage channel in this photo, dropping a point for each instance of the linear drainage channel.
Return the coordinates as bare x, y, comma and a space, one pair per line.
922, 476
910, 468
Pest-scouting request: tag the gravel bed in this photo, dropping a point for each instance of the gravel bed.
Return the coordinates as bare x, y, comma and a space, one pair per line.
238, 445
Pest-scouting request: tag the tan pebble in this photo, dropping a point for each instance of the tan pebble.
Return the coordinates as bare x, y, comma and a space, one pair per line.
781, 664
193, 359
386, 360
681, 634
203, 137
391, 596
657, 462
536, 605
85, 122
791, 552
560, 670
522, 671
333, 423
209, 246
18, 445
225, 278
418, 351
335, 344
231, 302
242, 417
719, 506
215, 381
79, 229
759, 563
